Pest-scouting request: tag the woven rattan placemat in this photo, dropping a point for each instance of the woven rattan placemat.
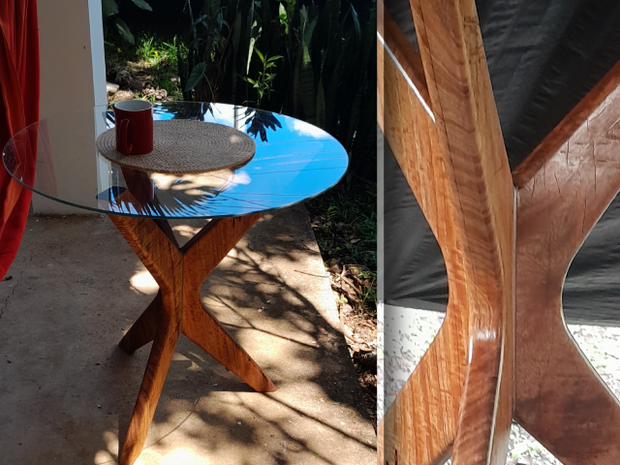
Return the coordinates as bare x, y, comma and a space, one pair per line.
184, 146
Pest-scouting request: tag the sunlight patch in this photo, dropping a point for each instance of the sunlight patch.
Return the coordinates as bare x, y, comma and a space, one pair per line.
144, 282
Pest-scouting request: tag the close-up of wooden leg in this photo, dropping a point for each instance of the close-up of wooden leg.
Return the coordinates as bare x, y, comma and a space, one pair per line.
444, 131
565, 185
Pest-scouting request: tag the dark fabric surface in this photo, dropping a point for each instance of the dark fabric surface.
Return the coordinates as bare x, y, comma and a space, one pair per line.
543, 57
415, 274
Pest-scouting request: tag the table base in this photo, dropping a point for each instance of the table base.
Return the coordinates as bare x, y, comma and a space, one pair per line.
177, 308
508, 239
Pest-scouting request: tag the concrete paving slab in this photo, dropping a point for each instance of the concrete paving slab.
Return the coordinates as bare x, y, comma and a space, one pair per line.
67, 391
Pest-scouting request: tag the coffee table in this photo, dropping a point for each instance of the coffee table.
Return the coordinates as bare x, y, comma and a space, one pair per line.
294, 161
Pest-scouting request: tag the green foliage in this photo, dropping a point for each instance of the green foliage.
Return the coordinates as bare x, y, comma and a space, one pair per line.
325, 74
110, 8
172, 52
369, 292
123, 30
348, 231
196, 76
145, 50
345, 227
162, 59
142, 4
151, 57
262, 84
110, 14
314, 61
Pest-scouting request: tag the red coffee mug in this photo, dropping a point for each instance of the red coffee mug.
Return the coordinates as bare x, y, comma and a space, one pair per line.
134, 127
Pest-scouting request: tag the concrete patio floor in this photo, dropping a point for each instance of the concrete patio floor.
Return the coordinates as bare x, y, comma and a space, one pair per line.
67, 391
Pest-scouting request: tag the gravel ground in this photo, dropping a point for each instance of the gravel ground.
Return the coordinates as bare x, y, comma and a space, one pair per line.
405, 334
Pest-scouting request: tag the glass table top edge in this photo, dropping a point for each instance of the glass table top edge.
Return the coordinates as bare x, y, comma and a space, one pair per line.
334, 171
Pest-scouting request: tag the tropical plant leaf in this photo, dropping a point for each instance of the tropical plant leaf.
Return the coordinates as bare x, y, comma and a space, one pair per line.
110, 8
195, 76
124, 31
320, 106
306, 74
199, 20
266, 26
357, 122
234, 53
211, 8
308, 31
142, 4
333, 98
356, 25
247, 34
254, 33
333, 13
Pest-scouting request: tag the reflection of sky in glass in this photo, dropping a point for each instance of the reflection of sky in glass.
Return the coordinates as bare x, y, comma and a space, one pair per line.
297, 161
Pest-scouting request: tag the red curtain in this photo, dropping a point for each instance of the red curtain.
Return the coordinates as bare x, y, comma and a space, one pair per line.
19, 107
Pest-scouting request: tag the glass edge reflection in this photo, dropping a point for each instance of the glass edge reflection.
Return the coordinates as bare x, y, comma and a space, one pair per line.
107, 107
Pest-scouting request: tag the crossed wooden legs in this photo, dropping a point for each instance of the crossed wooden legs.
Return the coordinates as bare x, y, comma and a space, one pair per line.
177, 308
565, 185
441, 128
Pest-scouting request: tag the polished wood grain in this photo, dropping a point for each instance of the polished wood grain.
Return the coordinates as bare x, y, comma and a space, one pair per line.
451, 151
144, 329
164, 262
462, 100
564, 187
420, 426
177, 308
447, 148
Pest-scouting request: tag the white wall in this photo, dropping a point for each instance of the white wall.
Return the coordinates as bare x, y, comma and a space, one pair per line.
72, 78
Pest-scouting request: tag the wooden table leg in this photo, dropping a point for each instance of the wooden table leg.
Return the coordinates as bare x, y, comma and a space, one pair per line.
152, 384
201, 256
565, 185
144, 329
444, 131
177, 307
563, 188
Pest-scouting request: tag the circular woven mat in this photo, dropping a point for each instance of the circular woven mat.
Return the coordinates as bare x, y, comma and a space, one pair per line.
184, 146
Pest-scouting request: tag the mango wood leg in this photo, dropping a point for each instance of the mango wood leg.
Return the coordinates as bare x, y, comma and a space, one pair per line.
144, 329
152, 385
444, 131
177, 307
565, 185
562, 189
202, 328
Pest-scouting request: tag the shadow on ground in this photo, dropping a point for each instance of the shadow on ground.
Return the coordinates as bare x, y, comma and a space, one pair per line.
67, 391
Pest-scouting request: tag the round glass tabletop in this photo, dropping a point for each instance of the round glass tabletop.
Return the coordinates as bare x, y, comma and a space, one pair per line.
294, 161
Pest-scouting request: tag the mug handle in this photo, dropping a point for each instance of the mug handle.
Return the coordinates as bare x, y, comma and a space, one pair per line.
124, 145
